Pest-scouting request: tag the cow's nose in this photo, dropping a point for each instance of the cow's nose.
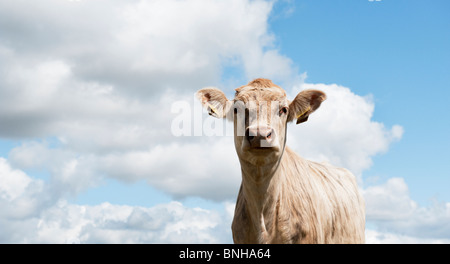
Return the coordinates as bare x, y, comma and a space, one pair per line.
259, 136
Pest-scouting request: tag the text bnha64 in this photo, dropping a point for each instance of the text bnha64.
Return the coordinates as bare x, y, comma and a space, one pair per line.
238, 253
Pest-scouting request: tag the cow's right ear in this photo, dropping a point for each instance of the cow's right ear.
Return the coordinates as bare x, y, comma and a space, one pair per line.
214, 100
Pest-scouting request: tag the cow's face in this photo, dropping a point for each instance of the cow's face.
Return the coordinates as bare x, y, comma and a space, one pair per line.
260, 117
260, 112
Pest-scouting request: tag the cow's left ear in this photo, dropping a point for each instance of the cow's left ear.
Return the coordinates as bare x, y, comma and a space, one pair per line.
304, 104
214, 100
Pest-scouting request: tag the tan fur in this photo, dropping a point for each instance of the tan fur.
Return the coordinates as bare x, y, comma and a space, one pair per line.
260, 90
299, 202
284, 198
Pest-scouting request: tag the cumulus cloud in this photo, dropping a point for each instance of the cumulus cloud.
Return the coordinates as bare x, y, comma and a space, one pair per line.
29, 215
20, 196
377, 237
145, 47
209, 170
69, 172
45, 98
391, 208
389, 201
106, 81
108, 223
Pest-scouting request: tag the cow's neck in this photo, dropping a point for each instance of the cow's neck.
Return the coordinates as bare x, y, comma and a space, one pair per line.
261, 194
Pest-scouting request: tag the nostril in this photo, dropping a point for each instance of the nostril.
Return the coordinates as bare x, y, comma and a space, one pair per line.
250, 134
259, 135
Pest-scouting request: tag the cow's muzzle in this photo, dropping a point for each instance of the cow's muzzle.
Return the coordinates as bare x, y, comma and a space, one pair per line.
260, 136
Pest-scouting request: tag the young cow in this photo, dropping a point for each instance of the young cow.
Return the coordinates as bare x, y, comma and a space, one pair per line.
284, 198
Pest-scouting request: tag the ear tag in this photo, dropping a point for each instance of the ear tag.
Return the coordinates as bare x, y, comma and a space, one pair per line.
213, 110
304, 112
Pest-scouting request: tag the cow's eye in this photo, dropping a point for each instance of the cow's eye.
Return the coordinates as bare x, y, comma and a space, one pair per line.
283, 111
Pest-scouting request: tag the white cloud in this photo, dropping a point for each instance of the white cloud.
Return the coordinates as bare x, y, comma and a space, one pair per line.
29, 216
389, 201
14, 182
107, 223
69, 172
106, 81
376, 237
207, 169
145, 47
399, 219
20, 195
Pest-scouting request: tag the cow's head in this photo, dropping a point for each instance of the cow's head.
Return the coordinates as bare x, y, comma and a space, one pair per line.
260, 112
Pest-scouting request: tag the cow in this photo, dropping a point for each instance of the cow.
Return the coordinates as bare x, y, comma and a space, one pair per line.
284, 198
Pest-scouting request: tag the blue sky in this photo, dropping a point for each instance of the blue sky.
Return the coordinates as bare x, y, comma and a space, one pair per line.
86, 152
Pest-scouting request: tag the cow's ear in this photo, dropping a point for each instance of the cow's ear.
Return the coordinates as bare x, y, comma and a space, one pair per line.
214, 100
304, 104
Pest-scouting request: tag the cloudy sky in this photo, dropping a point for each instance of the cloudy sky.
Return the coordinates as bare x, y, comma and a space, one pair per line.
89, 92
